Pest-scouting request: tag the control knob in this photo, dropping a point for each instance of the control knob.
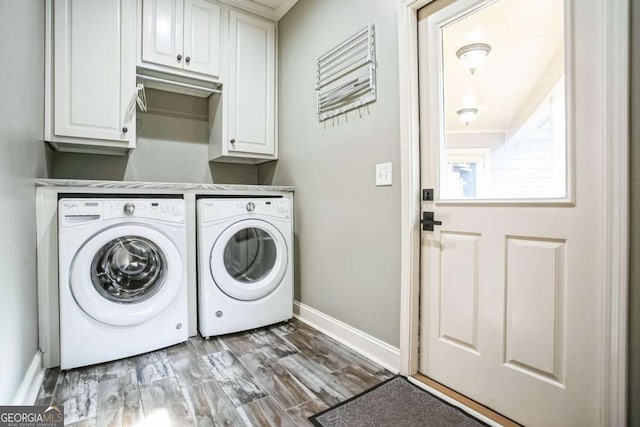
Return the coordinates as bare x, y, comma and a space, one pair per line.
129, 208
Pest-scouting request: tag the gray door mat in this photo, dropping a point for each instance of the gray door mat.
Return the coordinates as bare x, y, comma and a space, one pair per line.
394, 402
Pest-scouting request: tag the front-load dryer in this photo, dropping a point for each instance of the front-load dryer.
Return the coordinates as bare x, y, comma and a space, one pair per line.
245, 263
122, 277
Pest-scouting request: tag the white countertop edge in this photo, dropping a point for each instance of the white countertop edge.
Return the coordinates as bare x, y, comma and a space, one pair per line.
85, 183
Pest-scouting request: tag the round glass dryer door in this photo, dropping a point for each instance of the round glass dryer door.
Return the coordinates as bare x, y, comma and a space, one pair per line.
249, 260
126, 274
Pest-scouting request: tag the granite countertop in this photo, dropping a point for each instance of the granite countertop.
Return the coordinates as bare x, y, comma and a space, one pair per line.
156, 185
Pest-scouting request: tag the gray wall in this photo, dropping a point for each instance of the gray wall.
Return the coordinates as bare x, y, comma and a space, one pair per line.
347, 229
634, 289
172, 146
22, 158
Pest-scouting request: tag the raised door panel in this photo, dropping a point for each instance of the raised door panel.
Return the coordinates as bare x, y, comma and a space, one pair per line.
162, 32
534, 342
202, 36
458, 285
251, 85
90, 74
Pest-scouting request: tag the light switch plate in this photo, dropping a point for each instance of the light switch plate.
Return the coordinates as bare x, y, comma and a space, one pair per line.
383, 174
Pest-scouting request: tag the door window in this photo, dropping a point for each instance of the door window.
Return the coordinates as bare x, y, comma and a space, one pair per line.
128, 269
250, 255
502, 71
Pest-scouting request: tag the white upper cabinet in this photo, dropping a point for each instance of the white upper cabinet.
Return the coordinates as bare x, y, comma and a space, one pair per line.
202, 37
162, 30
182, 37
90, 75
251, 85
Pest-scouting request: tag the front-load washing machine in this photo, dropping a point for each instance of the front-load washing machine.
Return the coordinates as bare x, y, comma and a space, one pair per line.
122, 277
245, 263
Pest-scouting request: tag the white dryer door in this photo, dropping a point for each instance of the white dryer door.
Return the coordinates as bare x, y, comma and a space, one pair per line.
249, 259
126, 274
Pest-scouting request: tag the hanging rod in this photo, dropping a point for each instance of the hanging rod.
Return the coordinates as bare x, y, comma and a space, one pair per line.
350, 68
180, 84
344, 94
353, 38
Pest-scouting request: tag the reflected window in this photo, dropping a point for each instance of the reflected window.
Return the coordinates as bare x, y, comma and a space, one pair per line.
250, 255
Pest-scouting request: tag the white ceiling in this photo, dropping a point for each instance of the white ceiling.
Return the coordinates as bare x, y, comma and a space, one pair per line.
526, 39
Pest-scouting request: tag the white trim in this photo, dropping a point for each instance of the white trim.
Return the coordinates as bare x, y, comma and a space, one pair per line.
47, 261
454, 402
28, 391
409, 183
191, 263
370, 347
616, 201
261, 9
284, 7
616, 162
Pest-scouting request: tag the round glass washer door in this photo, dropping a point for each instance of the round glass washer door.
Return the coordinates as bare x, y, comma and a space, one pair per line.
126, 274
249, 260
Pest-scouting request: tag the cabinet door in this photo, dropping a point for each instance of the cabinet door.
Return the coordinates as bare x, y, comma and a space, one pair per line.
94, 69
162, 32
202, 26
251, 85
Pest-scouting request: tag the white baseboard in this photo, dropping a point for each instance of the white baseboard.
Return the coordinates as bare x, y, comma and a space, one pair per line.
28, 391
370, 347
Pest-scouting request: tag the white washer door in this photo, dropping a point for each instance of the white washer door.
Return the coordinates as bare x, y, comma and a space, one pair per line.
249, 260
126, 274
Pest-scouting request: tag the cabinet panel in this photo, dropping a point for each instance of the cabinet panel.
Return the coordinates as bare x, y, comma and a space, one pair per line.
162, 32
202, 29
251, 87
92, 86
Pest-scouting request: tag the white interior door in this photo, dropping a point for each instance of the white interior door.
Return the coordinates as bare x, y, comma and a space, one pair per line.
202, 29
511, 142
251, 84
162, 32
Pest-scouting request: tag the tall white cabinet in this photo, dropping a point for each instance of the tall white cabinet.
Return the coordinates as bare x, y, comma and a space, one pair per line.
249, 95
251, 85
182, 37
90, 76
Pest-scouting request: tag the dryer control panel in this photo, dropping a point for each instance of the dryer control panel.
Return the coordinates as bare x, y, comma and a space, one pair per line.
215, 209
78, 211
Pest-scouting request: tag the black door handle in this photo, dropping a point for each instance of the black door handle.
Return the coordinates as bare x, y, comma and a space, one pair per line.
428, 222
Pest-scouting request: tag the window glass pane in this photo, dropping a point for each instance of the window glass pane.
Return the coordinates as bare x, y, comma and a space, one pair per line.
463, 178
128, 269
250, 255
504, 103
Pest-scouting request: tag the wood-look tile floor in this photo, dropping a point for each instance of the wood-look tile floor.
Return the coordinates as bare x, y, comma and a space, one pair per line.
274, 376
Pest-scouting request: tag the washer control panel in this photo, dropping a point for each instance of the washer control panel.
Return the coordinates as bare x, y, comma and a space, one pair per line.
77, 211
215, 209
